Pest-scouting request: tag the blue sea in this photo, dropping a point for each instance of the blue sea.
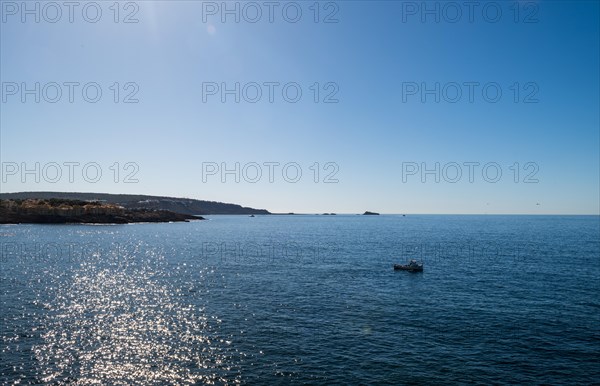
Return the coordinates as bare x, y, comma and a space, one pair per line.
303, 299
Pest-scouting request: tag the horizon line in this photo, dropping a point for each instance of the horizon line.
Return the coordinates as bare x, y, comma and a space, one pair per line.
314, 213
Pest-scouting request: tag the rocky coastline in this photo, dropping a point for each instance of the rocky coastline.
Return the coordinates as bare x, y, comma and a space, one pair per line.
61, 211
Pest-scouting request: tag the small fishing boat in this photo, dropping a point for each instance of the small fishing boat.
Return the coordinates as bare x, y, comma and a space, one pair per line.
412, 266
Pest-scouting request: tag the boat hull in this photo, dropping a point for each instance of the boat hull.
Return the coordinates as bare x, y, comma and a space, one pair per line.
398, 267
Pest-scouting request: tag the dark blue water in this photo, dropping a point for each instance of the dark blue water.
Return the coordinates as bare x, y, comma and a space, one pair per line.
303, 299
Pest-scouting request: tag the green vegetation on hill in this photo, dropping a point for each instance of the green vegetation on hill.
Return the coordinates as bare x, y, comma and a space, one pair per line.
131, 201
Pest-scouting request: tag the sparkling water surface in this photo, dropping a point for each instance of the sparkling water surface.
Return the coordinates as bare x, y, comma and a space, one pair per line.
303, 299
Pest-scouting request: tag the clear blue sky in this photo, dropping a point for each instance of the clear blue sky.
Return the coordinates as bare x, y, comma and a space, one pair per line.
372, 56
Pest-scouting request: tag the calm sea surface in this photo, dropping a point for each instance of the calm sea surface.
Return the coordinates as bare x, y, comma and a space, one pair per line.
303, 299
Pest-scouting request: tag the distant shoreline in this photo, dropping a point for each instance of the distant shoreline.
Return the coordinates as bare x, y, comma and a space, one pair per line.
187, 206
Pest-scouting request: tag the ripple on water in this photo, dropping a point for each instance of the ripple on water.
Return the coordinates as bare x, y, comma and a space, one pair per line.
124, 324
